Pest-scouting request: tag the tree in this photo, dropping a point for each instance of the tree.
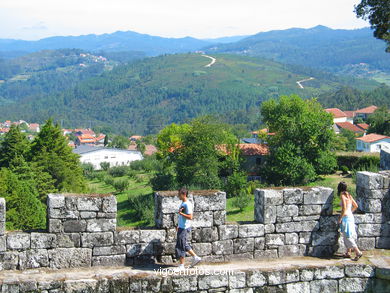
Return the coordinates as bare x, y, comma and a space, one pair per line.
377, 12
51, 153
15, 144
301, 146
119, 142
105, 143
379, 121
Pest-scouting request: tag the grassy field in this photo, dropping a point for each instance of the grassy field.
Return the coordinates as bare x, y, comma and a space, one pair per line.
140, 186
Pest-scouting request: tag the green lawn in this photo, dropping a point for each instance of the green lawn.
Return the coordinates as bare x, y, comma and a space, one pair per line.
127, 216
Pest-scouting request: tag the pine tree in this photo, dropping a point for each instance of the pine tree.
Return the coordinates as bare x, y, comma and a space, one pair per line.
15, 144
51, 153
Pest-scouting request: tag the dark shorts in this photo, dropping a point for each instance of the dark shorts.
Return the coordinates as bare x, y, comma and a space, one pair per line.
181, 242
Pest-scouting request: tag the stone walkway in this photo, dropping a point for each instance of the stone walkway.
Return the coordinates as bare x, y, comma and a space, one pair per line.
376, 258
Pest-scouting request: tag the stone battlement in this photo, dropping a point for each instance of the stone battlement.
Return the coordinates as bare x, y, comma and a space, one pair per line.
82, 229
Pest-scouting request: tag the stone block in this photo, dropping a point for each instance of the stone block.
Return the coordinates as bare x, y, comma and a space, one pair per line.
71, 202
250, 230
255, 278
139, 249
359, 271
329, 272
185, 283
272, 240
307, 218
301, 287
269, 228
9, 260
237, 280
129, 236
306, 275
265, 205
205, 234
202, 248
63, 213
106, 215
318, 195
97, 239
324, 286
266, 254
293, 196
369, 230
219, 217
310, 209
88, 215
369, 180
55, 226
228, 232
43, 240
85, 285
259, 243
223, 247
18, 241
366, 193
242, 245
167, 204
366, 243
287, 210
354, 285
324, 238
283, 219
171, 235
304, 226
100, 225
109, 204
28, 286
73, 226
212, 202
147, 236
165, 248
329, 223
2, 210
383, 242
206, 282
369, 218
89, 203
61, 258
291, 250
203, 219
305, 237
291, 238
282, 277
68, 240
34, 258
3, 243
164, 220
55, 201
109, 250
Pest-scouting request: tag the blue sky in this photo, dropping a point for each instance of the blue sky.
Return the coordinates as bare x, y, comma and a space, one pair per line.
35, 19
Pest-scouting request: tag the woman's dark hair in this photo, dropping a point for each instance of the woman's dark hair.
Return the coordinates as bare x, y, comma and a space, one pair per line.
342, 187
183, 190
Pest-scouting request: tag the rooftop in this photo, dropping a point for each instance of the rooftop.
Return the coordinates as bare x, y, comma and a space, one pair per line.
372, 137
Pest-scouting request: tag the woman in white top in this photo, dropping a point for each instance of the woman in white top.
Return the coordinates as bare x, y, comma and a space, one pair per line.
347, 221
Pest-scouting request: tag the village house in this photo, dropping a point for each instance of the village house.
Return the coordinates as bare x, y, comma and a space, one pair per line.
372, 143
338, 115
365, 112
115, 157
347, 126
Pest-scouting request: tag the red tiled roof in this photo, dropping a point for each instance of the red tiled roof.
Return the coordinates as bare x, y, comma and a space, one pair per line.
135, 137
337, 113
372, 137
349, 126
363, 126
248, 149
367, 110
350, 114
150, 150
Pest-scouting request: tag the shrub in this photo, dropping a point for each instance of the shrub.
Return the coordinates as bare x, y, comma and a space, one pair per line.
105, 165
357, 162
118, 171
121, 185
109, 180
241, 201
88, 170
143, 206
235, 183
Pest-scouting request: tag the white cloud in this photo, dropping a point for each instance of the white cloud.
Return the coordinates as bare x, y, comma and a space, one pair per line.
170, 18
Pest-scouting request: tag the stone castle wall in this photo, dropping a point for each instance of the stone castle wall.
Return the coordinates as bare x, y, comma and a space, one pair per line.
82, 229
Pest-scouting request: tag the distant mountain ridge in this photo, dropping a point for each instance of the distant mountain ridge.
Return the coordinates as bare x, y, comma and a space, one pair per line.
317, 47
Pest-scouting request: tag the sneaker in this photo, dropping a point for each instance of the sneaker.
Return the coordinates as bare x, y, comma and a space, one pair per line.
195, 261
180, 268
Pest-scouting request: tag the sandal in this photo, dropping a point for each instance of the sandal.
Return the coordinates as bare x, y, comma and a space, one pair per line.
346, 255
358, 256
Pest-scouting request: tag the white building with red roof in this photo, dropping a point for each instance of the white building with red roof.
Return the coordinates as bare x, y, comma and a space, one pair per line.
372, 143
365, 112
338, 115
348, 126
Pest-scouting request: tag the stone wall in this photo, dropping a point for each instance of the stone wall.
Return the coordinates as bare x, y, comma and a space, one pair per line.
385, 159
353, 277
82, 229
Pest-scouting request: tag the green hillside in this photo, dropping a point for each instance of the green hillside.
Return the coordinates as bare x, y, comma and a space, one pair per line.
145, 96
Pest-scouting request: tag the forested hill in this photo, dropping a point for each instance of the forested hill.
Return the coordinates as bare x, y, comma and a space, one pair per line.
118, 41
341, 51
144, 96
